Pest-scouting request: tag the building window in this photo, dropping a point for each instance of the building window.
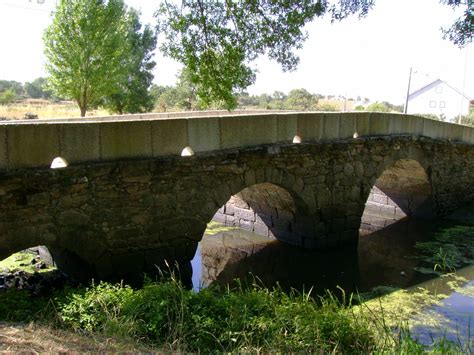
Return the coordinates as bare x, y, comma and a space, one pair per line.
442, 104
433, 104
439, 89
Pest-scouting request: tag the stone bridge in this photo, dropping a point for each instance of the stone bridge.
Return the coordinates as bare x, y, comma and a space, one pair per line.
139, 190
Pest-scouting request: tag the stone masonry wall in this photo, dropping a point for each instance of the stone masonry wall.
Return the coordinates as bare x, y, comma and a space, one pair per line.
115, 219
265, 209
402, 190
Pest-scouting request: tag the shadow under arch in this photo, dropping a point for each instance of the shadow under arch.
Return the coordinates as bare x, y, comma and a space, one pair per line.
402, 190
269, 210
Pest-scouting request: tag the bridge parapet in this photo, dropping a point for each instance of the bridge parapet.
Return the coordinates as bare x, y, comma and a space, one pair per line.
36, 144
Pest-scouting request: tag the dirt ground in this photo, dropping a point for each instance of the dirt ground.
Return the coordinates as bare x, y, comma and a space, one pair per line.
33, 339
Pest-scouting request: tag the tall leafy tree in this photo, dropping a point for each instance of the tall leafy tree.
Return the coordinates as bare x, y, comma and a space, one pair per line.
134, 95
462, 31
85, 49
218, 39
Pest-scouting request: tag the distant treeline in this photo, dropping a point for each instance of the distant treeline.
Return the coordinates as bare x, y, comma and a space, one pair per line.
183, 96
11, 90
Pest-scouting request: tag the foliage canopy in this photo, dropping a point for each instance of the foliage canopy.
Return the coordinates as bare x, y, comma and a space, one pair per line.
134, 96
216, 40
85, 49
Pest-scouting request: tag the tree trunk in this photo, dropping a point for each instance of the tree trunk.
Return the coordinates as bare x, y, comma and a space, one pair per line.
83, 111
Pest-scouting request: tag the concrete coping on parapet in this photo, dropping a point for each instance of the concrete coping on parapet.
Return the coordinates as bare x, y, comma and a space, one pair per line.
145, 117
36, 143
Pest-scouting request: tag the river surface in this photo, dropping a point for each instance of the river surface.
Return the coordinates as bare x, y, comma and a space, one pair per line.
386, 257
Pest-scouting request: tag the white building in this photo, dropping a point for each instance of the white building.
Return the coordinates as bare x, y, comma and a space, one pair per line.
438, 98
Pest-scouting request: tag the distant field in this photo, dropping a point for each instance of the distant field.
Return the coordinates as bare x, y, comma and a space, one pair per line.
45, 109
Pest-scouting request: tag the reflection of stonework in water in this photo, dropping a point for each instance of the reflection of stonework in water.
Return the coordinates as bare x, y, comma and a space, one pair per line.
402, 190
265, 209
384, 257
250, 257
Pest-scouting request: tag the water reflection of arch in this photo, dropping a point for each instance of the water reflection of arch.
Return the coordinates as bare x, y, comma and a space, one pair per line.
270, 210
401, 189
239, 254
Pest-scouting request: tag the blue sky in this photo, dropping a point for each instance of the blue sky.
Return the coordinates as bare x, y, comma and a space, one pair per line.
370, 57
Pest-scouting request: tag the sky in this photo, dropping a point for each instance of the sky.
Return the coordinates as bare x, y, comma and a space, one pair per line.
369, 57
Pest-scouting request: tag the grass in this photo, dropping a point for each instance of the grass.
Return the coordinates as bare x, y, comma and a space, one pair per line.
46, 110
167, 317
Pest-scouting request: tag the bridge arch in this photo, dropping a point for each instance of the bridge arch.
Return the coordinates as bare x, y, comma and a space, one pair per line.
402, 189
270, 210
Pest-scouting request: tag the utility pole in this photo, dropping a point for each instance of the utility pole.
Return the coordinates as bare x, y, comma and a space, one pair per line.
408, 92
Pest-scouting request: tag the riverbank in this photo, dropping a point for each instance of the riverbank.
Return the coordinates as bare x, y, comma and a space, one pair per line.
168, 317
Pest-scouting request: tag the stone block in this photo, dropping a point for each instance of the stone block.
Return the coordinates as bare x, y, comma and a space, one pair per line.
380, 198
456, 133
125, 140
260, 229
80, 142
169, 136
348, 125
204, 134
310, 126
32, 145
363, 124
287, 127
243, 131
246, 225
331, 125
231, 221
432, 129
3, 147
466, 134
379, 124
229, 209
244, 214
387, 211
372, 209
395, 124
219, 217
471, 138
417, 124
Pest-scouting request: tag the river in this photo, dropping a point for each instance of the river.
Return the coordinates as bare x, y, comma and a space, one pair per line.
385, 259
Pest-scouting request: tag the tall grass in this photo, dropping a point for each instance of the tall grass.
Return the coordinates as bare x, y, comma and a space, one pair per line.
169, 317
45, 110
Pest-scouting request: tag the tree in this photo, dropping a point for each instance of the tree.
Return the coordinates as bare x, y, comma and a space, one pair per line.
15, 86
300, 99
218, 39
134, 95
7, 96
37, 89
462, 31
378, 107
85, 49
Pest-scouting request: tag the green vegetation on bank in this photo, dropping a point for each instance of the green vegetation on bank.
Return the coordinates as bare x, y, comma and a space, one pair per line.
167, 316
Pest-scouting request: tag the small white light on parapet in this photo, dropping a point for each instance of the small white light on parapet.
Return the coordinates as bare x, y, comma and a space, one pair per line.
187, 152
59, 163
